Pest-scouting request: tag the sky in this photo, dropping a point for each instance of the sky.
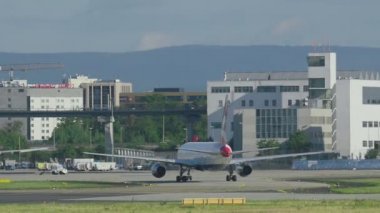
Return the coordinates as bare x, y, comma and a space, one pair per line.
49, 26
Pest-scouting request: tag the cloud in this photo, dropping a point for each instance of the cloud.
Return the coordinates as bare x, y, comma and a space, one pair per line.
156, 40
286, 26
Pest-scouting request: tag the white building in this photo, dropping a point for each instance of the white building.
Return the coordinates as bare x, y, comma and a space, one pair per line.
48, 97
358, 117
275, 105
77, 80
250, 91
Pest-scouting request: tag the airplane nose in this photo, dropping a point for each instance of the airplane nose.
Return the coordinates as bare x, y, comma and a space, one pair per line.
226, 151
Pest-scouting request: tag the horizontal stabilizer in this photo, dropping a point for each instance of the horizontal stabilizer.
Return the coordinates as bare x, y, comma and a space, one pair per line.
269, 157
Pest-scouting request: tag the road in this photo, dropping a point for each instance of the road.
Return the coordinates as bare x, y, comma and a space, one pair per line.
142, 186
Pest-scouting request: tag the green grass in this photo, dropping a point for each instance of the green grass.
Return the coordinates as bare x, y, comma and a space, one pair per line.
353, 186
22, 185
149, 207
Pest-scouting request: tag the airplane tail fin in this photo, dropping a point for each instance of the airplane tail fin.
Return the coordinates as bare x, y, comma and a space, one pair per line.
223, 136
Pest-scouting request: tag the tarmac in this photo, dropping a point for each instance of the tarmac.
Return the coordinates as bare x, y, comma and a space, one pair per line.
142, 186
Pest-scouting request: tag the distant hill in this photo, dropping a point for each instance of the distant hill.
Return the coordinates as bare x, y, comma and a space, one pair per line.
189, 67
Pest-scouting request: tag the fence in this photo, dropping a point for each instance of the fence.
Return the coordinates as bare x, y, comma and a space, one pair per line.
335, 164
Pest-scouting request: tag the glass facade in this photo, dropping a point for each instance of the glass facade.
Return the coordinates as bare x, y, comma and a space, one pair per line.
275, 123
371, 95
316, 83
316, 61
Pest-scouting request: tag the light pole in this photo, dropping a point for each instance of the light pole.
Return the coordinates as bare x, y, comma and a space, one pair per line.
90, 137
185, 134
121, 135
54, 138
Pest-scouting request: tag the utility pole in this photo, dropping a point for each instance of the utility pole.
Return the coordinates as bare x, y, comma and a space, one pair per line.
163, 129
90, 137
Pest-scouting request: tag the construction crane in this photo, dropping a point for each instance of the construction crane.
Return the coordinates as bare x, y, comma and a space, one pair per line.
27, 67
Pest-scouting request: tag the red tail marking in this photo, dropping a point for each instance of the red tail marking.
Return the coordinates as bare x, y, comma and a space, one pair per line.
226, 151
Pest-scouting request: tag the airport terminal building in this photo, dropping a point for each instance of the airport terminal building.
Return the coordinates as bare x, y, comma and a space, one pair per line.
337, 110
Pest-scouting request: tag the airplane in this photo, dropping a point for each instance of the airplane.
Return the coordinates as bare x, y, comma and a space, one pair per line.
24, 150
213, 156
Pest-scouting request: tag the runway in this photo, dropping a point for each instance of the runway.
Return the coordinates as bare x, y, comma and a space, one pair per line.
142, 186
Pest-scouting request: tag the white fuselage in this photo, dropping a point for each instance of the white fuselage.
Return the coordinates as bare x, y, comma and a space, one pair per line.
203, 155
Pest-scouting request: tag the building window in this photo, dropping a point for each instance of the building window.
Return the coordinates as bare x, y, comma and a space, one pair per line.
289, 88
316, 61
365, 124
298, 102
243, 103
216, 125
250, 103
246, 89
370, 144
370, 124
266, 89
364, 143
266, 103
316, 83
290, 102
9, 99
220, 103
274, 103
376, 124
305, 88
220, 89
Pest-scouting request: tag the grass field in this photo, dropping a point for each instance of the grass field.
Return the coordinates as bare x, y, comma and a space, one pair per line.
353, 186
22, 185
259, 206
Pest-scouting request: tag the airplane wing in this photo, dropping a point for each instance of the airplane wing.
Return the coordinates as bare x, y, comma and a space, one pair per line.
262, 149
244, 160
24, 150
162, 160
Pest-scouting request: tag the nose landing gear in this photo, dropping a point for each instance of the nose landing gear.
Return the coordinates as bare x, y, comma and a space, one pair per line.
231, 175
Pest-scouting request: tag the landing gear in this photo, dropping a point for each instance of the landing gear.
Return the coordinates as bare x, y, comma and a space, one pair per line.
184, 178
231, 175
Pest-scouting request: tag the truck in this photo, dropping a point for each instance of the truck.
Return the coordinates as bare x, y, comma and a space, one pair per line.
57, 168
103, 166
83, 164
10, 164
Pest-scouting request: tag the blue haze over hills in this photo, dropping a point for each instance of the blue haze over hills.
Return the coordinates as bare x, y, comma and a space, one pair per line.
188, 67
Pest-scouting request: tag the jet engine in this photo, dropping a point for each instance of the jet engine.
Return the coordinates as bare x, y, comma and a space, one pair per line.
158, 170
244, 170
